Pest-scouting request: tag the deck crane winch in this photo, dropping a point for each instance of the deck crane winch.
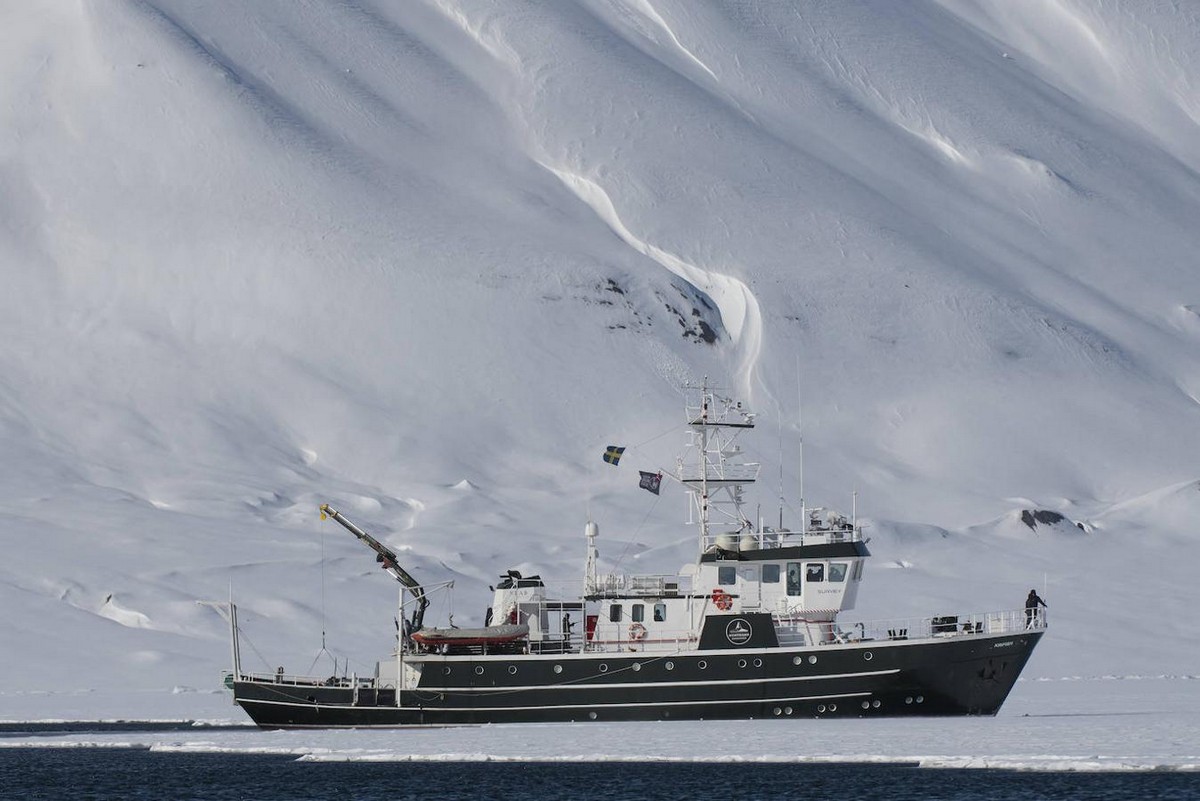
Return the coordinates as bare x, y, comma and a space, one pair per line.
388, 559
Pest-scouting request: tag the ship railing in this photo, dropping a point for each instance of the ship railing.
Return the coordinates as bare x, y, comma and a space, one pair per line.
769, 538
794, 630
651, 585
721, 473
655, 641
279, 677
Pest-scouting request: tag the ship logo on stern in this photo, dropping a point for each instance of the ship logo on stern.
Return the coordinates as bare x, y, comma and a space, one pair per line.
738, 631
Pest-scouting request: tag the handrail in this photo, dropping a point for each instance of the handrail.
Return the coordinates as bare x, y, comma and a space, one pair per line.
794, 629
655, 641
768, 538
365, 682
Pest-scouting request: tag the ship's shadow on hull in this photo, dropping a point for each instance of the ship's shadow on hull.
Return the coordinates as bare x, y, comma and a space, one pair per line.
968, 675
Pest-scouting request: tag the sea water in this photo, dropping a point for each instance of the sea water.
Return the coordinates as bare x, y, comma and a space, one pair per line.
139, 773
1111, 738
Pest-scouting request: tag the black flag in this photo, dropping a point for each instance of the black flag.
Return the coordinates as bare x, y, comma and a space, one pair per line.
650, 481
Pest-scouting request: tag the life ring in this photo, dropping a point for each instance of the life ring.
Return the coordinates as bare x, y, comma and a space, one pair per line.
722, 600
637, 632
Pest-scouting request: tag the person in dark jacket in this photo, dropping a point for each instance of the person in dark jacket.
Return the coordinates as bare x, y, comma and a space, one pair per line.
1032, 601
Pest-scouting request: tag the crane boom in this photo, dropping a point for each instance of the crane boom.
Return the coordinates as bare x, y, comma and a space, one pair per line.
389, 561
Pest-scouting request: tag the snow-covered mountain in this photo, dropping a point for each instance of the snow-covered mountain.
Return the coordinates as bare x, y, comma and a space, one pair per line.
424, 260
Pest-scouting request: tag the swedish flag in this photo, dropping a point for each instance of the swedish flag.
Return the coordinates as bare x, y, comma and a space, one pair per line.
613, 454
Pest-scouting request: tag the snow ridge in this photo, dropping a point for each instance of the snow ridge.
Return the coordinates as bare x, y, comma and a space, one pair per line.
739, 310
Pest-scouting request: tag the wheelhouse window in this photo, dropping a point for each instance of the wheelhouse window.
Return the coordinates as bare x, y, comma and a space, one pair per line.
660, 613
858, 570
726, 575
770, 574
614, 613
793, 578
639, 612
837, 571
814, 571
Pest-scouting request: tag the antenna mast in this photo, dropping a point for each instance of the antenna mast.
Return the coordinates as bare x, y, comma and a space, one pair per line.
800, 428
779, 428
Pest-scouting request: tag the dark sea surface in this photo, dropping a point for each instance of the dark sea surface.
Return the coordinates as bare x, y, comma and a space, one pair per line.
138, 773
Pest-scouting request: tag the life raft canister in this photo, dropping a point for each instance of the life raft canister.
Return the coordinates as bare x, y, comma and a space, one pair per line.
637, 632
722, 600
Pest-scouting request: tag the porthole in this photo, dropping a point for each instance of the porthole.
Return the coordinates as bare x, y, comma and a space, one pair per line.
758, 663
670, 666
908, 700
512, 670
479, 670
777, 711
797, 660
920, 699
866, 704
558, 668
604, 668
812, 660
833, 707
637, 666
787, 710
741, 663
821, 708
868, 656
591, 715
446, 671
875, 704
702, 664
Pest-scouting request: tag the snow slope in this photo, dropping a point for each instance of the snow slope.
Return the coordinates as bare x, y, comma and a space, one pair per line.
424, 260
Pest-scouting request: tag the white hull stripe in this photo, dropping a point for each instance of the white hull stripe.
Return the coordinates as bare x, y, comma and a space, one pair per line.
688, 653
581, 707
580, 685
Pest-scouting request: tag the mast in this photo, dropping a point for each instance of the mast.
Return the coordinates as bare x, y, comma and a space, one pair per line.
703, 454
388, 559
590, 579
712, 472
235, 646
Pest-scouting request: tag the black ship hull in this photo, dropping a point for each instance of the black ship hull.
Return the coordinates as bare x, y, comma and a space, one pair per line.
952, 675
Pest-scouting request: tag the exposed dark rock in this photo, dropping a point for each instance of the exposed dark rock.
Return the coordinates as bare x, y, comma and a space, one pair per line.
697, 327
1031, 518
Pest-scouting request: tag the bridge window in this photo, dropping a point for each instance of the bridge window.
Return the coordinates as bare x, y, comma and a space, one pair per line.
793, 578
614, 613
837, 571
639, 612
660, 613
726, 575
858, 570
770, 574
814, 571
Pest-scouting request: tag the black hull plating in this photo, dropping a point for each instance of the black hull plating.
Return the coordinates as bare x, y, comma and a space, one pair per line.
958, 675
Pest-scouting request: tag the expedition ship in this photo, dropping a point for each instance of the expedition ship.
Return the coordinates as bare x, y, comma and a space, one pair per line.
750, 629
